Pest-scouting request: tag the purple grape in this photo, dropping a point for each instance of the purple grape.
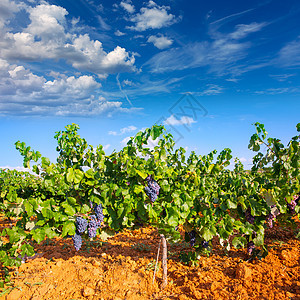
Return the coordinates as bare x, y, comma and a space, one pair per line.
250, 247
77, 240
192, 235
81, 224
99, 212
292, 206
93, 226
150, 192
248, 216
91, 204
204, 244
270, 219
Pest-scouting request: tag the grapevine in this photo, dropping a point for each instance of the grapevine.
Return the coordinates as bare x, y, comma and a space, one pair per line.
86, 192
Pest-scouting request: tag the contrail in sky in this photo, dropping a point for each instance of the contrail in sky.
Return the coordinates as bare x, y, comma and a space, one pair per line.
121, 90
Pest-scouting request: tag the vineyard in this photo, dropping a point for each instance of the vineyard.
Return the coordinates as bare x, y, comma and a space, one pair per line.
149, 197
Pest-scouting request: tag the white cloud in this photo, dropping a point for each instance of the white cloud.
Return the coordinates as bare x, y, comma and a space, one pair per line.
7, 9
276, 91
243, 159
127, 82
127, 6
82, 86
94, 107
289, 55
24, 93
212, 89
125, 141
242, 30
123, 130
47, 37
47, 22
152, 17
219, 55
282, 77
107, 146
18, 168
160, 42
119, 33
184, 120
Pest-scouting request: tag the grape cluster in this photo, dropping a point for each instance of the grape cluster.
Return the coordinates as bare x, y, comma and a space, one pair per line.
204, 244
250, 247
99, 212
93, 226
77, 240
81, 225
152, 190
248, 216
291, 206
270, 219
192, 235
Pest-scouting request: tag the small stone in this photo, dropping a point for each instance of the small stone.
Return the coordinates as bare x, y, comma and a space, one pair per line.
243, 272
96, 263
59, 263
87, 291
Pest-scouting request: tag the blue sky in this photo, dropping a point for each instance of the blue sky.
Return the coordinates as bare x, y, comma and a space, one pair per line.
207, 70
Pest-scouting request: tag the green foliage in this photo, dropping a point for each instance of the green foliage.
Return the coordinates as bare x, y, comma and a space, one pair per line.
197, 191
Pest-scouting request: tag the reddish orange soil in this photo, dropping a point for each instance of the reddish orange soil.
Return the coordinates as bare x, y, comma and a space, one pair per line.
123, 266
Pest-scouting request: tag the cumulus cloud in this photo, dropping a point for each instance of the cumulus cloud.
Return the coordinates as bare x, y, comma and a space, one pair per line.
160, 42
7, 9
184, 120
152, 17
25, 93
47, 37
47, 22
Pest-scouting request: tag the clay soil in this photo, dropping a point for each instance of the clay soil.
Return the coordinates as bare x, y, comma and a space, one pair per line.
122, 267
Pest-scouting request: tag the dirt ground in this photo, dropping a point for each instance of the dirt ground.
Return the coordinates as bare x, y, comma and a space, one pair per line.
122, 267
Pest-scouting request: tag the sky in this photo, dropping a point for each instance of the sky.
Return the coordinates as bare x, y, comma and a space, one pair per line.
206, 70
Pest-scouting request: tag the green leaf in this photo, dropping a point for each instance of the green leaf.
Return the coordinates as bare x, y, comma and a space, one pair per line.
239, 241
72, 201
69, 210
138, 189
27, 249
70, 175
142, 174
68, 228
208, 233
231, 204
50, 232
38, 234
78, 176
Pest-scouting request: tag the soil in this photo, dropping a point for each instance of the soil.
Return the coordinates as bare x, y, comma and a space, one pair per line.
122, 267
